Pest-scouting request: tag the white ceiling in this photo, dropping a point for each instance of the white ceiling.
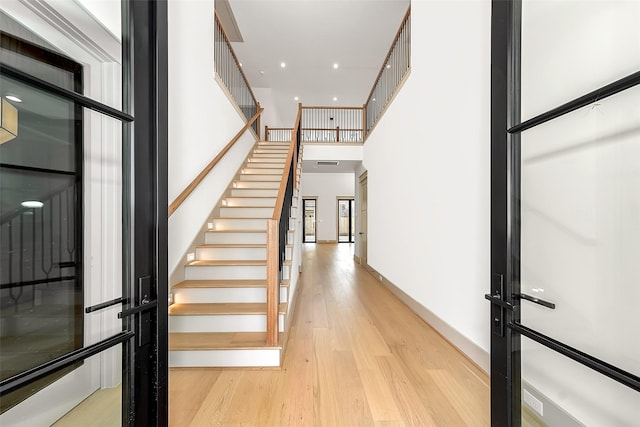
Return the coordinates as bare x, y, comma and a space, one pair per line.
310, 36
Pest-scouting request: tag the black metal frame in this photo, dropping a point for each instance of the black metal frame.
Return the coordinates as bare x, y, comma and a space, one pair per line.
505, 218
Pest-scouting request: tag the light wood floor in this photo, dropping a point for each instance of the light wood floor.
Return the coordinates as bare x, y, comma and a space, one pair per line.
357, 356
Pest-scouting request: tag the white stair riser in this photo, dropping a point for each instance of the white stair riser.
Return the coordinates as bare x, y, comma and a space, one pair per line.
250, 201
280, 151
274, 185
219, 295
262, 171
225, 272
224, 358
222, 323
269, 155
212, 238
203, 253
224, 295
254, 192
265, 162
272, 178
240, 212
259, 224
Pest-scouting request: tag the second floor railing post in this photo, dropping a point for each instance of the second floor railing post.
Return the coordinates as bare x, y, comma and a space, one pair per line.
364, 122
337, 133
266, 133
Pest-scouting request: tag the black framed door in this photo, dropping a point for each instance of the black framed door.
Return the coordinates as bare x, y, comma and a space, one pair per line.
66, 191
346, 220
565, 161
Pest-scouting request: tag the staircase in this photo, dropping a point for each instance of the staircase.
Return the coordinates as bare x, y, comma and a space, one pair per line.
218, 318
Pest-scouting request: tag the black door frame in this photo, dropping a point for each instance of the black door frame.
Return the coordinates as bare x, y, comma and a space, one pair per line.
506, 127
147, 143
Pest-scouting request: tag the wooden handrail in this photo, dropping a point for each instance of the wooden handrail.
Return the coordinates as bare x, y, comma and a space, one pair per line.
198, 179
273, 238
233, 54
386, 58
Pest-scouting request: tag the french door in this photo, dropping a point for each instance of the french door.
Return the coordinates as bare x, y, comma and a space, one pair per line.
346, 220
83, 214
565, 213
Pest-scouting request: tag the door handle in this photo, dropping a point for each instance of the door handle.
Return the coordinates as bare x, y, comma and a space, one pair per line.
497, 300
361, 232
539, 301
145, 304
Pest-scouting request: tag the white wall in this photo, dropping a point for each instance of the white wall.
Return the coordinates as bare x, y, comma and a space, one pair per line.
202, 121
327, 187
428, 163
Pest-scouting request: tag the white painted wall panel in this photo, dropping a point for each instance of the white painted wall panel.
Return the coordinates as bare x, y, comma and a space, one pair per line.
428, 170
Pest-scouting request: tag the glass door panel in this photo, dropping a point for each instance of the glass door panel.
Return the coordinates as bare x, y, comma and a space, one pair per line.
557, 391
576, 226
61, 217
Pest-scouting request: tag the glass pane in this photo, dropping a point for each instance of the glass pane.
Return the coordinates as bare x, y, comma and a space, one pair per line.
60, 246
88, 396
580, 241
556, 391
570, 48
37, 40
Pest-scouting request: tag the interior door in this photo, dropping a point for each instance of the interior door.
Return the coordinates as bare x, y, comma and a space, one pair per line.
81, 249
565, 239
362, 234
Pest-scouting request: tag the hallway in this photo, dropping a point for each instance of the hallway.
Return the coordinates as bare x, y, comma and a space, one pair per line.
357, 356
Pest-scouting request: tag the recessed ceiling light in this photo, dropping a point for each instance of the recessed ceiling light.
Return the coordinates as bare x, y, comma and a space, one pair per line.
335, 65
13, 98
240, 63
283, 64
374, 100
335, 98
262, 72
388, 65
32, 204
295, 98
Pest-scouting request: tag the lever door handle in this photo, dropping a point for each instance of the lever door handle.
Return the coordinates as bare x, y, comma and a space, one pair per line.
497, 300
539, 301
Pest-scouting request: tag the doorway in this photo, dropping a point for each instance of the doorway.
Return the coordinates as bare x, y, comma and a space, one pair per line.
346, 220
564, 220
309, 207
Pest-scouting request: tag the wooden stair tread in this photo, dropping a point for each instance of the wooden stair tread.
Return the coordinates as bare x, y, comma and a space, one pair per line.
230, 262
213, 309
220, 341
230, 283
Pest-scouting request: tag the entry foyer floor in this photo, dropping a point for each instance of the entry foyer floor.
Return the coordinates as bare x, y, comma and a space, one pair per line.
357, 356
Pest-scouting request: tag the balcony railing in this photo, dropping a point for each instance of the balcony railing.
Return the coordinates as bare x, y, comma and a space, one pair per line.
394, 69
324, 124
230, 72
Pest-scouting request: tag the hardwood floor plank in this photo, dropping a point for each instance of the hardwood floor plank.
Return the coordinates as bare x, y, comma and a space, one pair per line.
188, 389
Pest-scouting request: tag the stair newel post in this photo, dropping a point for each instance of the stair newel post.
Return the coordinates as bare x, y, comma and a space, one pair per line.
272, 281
